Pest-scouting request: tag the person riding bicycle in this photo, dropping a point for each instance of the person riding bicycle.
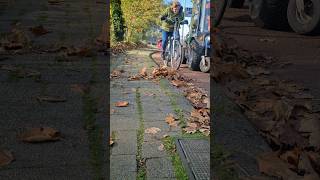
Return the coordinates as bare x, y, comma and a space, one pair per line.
175, 11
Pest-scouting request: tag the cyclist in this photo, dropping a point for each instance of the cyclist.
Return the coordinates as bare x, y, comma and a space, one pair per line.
175, 11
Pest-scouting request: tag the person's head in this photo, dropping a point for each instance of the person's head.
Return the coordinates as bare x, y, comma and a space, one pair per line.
175, 6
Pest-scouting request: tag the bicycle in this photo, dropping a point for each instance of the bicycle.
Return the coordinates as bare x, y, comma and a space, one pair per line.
219, 7
173, 52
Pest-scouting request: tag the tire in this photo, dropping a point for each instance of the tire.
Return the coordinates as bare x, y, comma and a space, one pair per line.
205, 65
299, 22
269, 14
194, 55
177, 58
236, 3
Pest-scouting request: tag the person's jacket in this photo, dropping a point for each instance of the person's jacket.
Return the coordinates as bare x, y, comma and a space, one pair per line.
168, 23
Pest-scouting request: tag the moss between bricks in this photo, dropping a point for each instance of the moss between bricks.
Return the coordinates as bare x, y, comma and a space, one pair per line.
141, 175
95, 138
170, 147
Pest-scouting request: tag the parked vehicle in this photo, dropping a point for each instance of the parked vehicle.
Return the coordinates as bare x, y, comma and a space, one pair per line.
302, 16
196, 47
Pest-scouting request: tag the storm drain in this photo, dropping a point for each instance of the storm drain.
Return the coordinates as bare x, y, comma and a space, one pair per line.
195, 156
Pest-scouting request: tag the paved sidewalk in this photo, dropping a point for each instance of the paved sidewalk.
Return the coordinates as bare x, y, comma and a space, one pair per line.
80, 154
149, 104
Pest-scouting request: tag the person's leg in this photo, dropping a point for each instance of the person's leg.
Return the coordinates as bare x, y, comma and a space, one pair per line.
164, 41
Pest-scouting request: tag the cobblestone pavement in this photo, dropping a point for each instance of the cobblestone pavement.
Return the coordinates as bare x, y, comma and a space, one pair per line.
149, 104
81, 119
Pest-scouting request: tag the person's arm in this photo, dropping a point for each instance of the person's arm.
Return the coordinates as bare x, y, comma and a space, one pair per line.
164, 15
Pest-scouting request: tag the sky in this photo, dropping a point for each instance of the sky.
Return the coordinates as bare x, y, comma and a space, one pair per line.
188, 2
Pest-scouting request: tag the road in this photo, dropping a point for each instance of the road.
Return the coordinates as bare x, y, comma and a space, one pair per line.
300, 52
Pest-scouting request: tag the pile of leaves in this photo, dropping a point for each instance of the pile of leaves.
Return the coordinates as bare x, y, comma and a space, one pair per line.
281, 110
122, 47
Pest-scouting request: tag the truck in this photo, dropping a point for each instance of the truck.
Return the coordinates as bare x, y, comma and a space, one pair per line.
302, 16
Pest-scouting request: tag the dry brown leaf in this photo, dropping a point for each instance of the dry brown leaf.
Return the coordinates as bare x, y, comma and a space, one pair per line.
39, 30
115, 73
133, 78
76, 51
272, 165
43, 134
190, 130
192, 125
111, 142
143, 72
55, 1
152, 130
161, 147
170, 119
206, 132
165, 135
53, 99
122, 104
178, 83
6, 157
80, 88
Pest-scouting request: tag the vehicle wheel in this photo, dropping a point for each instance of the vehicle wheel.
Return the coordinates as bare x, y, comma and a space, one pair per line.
205, 65
184, 55
304, 16
194, 55
236, 3
269, 13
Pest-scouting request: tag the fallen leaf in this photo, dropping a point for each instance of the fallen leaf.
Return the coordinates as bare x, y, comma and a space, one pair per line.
270, 164
55, 1
190, 130
178, 83
133, 78
192, 125
115, 73
152, 130
80, 88
122, 104
170, 119
43, 134
52, 99
143, 72
165, 135
161, 147
6, 157
39, 30
111, 142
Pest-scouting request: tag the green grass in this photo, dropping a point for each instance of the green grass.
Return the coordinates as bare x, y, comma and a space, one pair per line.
141, 175
170, 148
95, 137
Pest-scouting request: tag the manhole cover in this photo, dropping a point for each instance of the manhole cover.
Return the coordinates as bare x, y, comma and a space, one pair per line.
195, 155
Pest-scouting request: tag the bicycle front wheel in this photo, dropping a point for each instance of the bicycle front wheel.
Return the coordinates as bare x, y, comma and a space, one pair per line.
219, 7
176, 56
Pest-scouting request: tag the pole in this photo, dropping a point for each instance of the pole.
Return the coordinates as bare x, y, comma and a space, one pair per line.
185, 6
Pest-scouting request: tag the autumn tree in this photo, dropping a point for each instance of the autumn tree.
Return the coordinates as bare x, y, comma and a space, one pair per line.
139, 16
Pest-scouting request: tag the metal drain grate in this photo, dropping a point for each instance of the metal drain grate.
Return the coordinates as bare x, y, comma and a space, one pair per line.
195, 155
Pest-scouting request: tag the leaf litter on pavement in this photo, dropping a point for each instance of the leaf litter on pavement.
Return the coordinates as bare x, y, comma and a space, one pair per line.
6, 157
122, 104
281, 110
38, 135
195, 95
